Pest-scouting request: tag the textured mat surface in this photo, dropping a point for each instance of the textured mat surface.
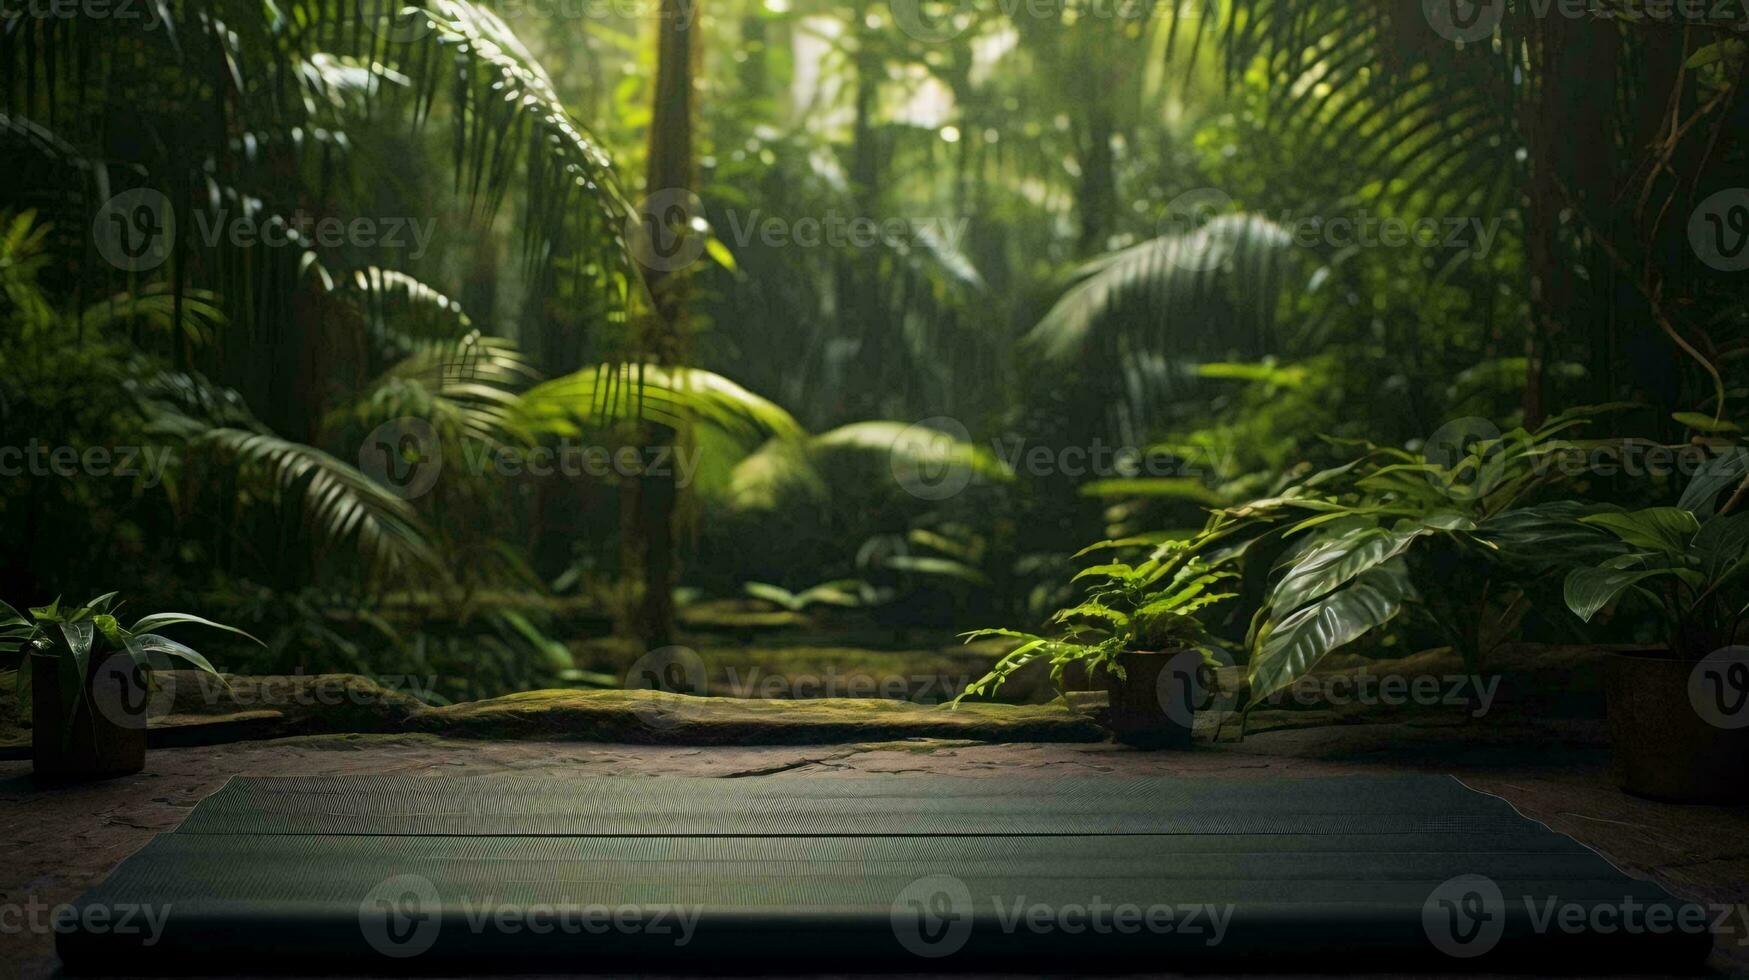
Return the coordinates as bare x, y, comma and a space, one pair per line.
429, 874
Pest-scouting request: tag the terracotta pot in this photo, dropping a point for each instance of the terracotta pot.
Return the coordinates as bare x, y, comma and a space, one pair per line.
1154, 704
1672, 741
106, 735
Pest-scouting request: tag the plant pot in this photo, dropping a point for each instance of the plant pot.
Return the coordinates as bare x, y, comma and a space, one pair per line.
1672, 741
106, 735
1154, 704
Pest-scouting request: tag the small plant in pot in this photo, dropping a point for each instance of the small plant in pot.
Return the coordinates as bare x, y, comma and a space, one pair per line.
1140, 631
1678, 714
86, 681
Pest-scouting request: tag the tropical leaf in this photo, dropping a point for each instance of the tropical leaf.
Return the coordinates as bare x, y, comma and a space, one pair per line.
1288, 648
601, 396
1588, 590
925, 449
1665, 529
1181, 292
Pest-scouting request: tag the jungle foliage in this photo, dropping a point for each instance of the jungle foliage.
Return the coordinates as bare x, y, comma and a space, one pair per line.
430, 337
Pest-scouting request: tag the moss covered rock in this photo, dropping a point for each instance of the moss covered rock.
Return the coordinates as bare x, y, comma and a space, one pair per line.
662, 718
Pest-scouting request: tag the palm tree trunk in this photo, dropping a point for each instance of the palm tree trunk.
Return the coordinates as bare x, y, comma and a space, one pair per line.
650, 499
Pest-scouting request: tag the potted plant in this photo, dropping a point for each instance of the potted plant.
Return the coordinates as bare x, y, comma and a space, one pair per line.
1139, 630
1679, 713
85, 679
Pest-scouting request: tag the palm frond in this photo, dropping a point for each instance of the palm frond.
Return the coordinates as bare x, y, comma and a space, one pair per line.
1206, 290
600, 396
338, 505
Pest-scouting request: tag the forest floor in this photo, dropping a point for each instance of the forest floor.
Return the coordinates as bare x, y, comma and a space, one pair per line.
62, 840
1529, 732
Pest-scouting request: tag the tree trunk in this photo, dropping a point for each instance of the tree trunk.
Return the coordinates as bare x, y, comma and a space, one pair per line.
651, 498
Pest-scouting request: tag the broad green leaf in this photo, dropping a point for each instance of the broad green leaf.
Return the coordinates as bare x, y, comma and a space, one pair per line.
1589, 589
10, 617
1715, 476
1705, 423
1138, 540
777, 595
154, 645
1332, 563
1093, 610
927, 565
1114, 570
102, 603
1721, 543
158, 621
1665, 529
1176, 487
1550, 536
1289, 647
